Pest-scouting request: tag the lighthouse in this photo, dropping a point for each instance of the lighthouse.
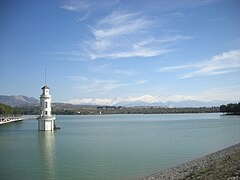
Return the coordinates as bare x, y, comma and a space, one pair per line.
46, 120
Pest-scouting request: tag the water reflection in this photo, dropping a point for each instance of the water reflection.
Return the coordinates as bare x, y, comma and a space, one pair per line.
47, 149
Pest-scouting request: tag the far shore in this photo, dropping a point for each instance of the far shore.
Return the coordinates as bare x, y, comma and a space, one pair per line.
223, 164
232, 114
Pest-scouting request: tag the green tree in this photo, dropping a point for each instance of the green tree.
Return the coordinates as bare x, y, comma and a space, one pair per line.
223, 108
232, 108
5, 109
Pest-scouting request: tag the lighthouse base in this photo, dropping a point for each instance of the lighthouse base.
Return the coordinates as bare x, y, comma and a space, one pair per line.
46, 123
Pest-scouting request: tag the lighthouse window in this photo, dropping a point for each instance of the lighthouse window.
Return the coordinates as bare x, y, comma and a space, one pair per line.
46, 113
46, 105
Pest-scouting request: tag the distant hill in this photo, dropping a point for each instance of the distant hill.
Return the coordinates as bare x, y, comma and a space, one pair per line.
187, 103
147, 100
18, 100
192, 103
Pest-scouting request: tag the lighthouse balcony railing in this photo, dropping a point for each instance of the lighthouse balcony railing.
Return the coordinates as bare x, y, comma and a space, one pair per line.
48, 116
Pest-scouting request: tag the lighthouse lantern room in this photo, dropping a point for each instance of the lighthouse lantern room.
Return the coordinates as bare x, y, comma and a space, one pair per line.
46, 120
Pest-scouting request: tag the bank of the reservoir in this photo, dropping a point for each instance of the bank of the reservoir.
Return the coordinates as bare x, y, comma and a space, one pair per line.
223, 164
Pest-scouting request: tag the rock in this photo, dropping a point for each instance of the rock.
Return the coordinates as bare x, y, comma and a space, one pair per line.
223, 164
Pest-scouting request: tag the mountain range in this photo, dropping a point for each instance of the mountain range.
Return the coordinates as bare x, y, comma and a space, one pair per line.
186, 103
31, 101
19, 100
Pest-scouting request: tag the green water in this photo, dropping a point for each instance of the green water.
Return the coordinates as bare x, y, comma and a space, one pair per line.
111, 146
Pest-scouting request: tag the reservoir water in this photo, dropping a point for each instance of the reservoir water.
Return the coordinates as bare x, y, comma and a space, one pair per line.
111, 146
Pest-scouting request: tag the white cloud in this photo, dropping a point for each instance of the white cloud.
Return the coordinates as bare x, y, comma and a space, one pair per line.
83, 17
124, 35
173, 68
110, 69
119, 23
101, 68
120, 34
229, 93
135, 53
175, 38
117, 18
224, 63
86, 7
99, 86
73, 55
93, 85
88, 85
76, 5
124, 72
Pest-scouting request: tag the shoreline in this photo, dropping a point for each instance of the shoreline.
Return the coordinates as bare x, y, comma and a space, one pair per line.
223, 164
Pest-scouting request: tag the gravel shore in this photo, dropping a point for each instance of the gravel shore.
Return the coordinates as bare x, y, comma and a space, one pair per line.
223, 164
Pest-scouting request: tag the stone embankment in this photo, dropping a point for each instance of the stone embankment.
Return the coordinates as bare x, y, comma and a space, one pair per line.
223, 164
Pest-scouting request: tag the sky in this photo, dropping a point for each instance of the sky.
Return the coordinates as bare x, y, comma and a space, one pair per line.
110, 51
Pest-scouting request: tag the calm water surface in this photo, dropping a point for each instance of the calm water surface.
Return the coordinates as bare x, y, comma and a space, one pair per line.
111, 146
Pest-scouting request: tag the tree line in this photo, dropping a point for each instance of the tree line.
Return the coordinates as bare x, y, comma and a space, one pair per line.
34, 110
8, 110
232, 108
158, 110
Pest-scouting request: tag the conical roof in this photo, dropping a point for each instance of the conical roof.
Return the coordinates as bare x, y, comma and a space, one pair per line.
45, 87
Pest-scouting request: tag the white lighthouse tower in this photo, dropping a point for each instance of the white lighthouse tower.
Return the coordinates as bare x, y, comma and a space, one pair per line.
46, 120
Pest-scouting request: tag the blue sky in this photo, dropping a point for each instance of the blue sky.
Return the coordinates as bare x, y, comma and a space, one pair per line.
118, 50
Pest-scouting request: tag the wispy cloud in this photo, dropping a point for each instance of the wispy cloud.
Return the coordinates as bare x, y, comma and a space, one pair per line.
171, 5
90, 85
217, 19
118, 36
123, 35
160, 6
129, 32
84, 16
173, 68
224, 63
228, 93
100, 68
120, 23
76, 5
93, 85
110, 69
124, 72
142, 81
86, 7
135, 53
